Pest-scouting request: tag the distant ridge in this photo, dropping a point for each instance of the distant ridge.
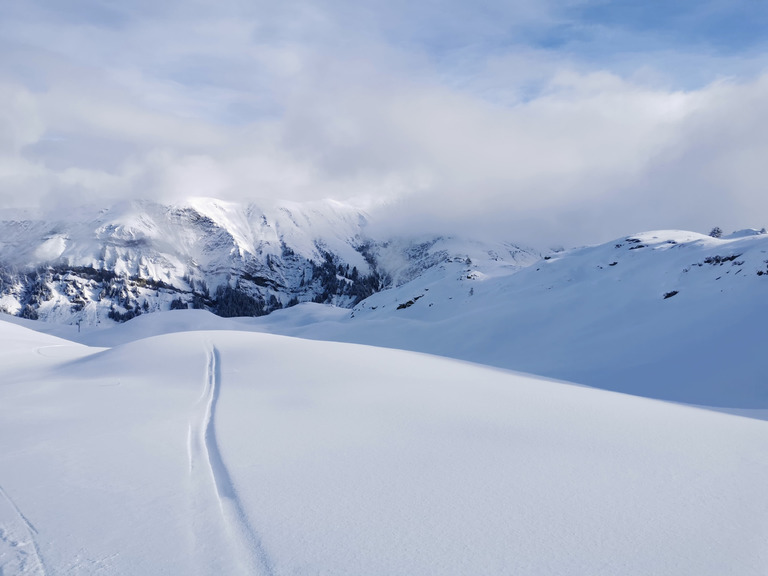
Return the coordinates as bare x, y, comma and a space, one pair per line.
232, 259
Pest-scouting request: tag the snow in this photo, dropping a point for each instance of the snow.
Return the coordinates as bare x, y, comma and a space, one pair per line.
51, 249
234, 452
320, 440
170, 238
595, 315
142, 255
667, 314
743, 233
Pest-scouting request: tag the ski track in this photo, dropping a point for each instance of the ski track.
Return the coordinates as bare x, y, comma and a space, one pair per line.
206, 466
44, 355
26, 561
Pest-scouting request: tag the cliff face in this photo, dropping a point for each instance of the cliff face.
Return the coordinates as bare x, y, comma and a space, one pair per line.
231, 259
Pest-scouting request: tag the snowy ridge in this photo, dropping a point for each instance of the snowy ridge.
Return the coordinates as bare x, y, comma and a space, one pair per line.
670, 314
666, 314
139, 257
233, 259
643, 260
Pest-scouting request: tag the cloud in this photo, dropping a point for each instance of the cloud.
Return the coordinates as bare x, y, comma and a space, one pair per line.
523, 120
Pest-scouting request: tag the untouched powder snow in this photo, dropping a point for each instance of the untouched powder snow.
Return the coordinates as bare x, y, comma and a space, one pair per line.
232, 452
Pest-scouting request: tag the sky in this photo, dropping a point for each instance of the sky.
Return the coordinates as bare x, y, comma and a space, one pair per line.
548, 122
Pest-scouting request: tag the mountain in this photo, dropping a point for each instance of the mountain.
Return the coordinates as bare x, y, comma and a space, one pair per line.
233, 259
180, 441
668, 314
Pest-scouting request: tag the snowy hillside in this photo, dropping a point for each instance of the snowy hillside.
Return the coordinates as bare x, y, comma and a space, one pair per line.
184, 442
234, 260
141, 257
671, 315
229, 452
668, 314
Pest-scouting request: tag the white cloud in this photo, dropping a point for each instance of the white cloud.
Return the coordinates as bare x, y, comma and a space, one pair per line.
346, 101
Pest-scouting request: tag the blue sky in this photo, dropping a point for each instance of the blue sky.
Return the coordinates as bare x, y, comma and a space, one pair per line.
724, 26
542, 121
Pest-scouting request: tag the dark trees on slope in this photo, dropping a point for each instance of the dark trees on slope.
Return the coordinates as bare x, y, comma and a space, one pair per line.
231, 302
339, 280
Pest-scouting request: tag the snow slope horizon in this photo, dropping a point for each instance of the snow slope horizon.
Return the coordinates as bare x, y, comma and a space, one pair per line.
672, 315
219, 452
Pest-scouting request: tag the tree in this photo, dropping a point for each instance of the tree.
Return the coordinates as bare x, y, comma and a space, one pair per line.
178, 304
716, 232
231, 302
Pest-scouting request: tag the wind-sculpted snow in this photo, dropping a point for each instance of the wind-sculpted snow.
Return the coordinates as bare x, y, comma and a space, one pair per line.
228, 452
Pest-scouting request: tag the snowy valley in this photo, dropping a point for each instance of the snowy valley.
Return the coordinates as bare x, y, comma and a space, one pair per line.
346, 288
389, 406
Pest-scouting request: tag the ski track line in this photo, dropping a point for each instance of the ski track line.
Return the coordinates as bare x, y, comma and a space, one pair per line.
40, 349
203, 451
31, 532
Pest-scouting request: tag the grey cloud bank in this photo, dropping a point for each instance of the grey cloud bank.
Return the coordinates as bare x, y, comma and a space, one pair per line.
516, 120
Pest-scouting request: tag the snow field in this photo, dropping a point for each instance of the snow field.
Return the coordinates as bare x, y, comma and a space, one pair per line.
231, 452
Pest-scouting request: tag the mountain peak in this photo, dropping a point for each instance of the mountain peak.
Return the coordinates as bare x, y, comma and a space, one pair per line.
141, 256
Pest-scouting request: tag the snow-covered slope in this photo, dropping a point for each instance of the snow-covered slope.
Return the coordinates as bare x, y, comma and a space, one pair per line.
203, 232
237, 453
636, 314
232, 259
666, 314
140, 257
